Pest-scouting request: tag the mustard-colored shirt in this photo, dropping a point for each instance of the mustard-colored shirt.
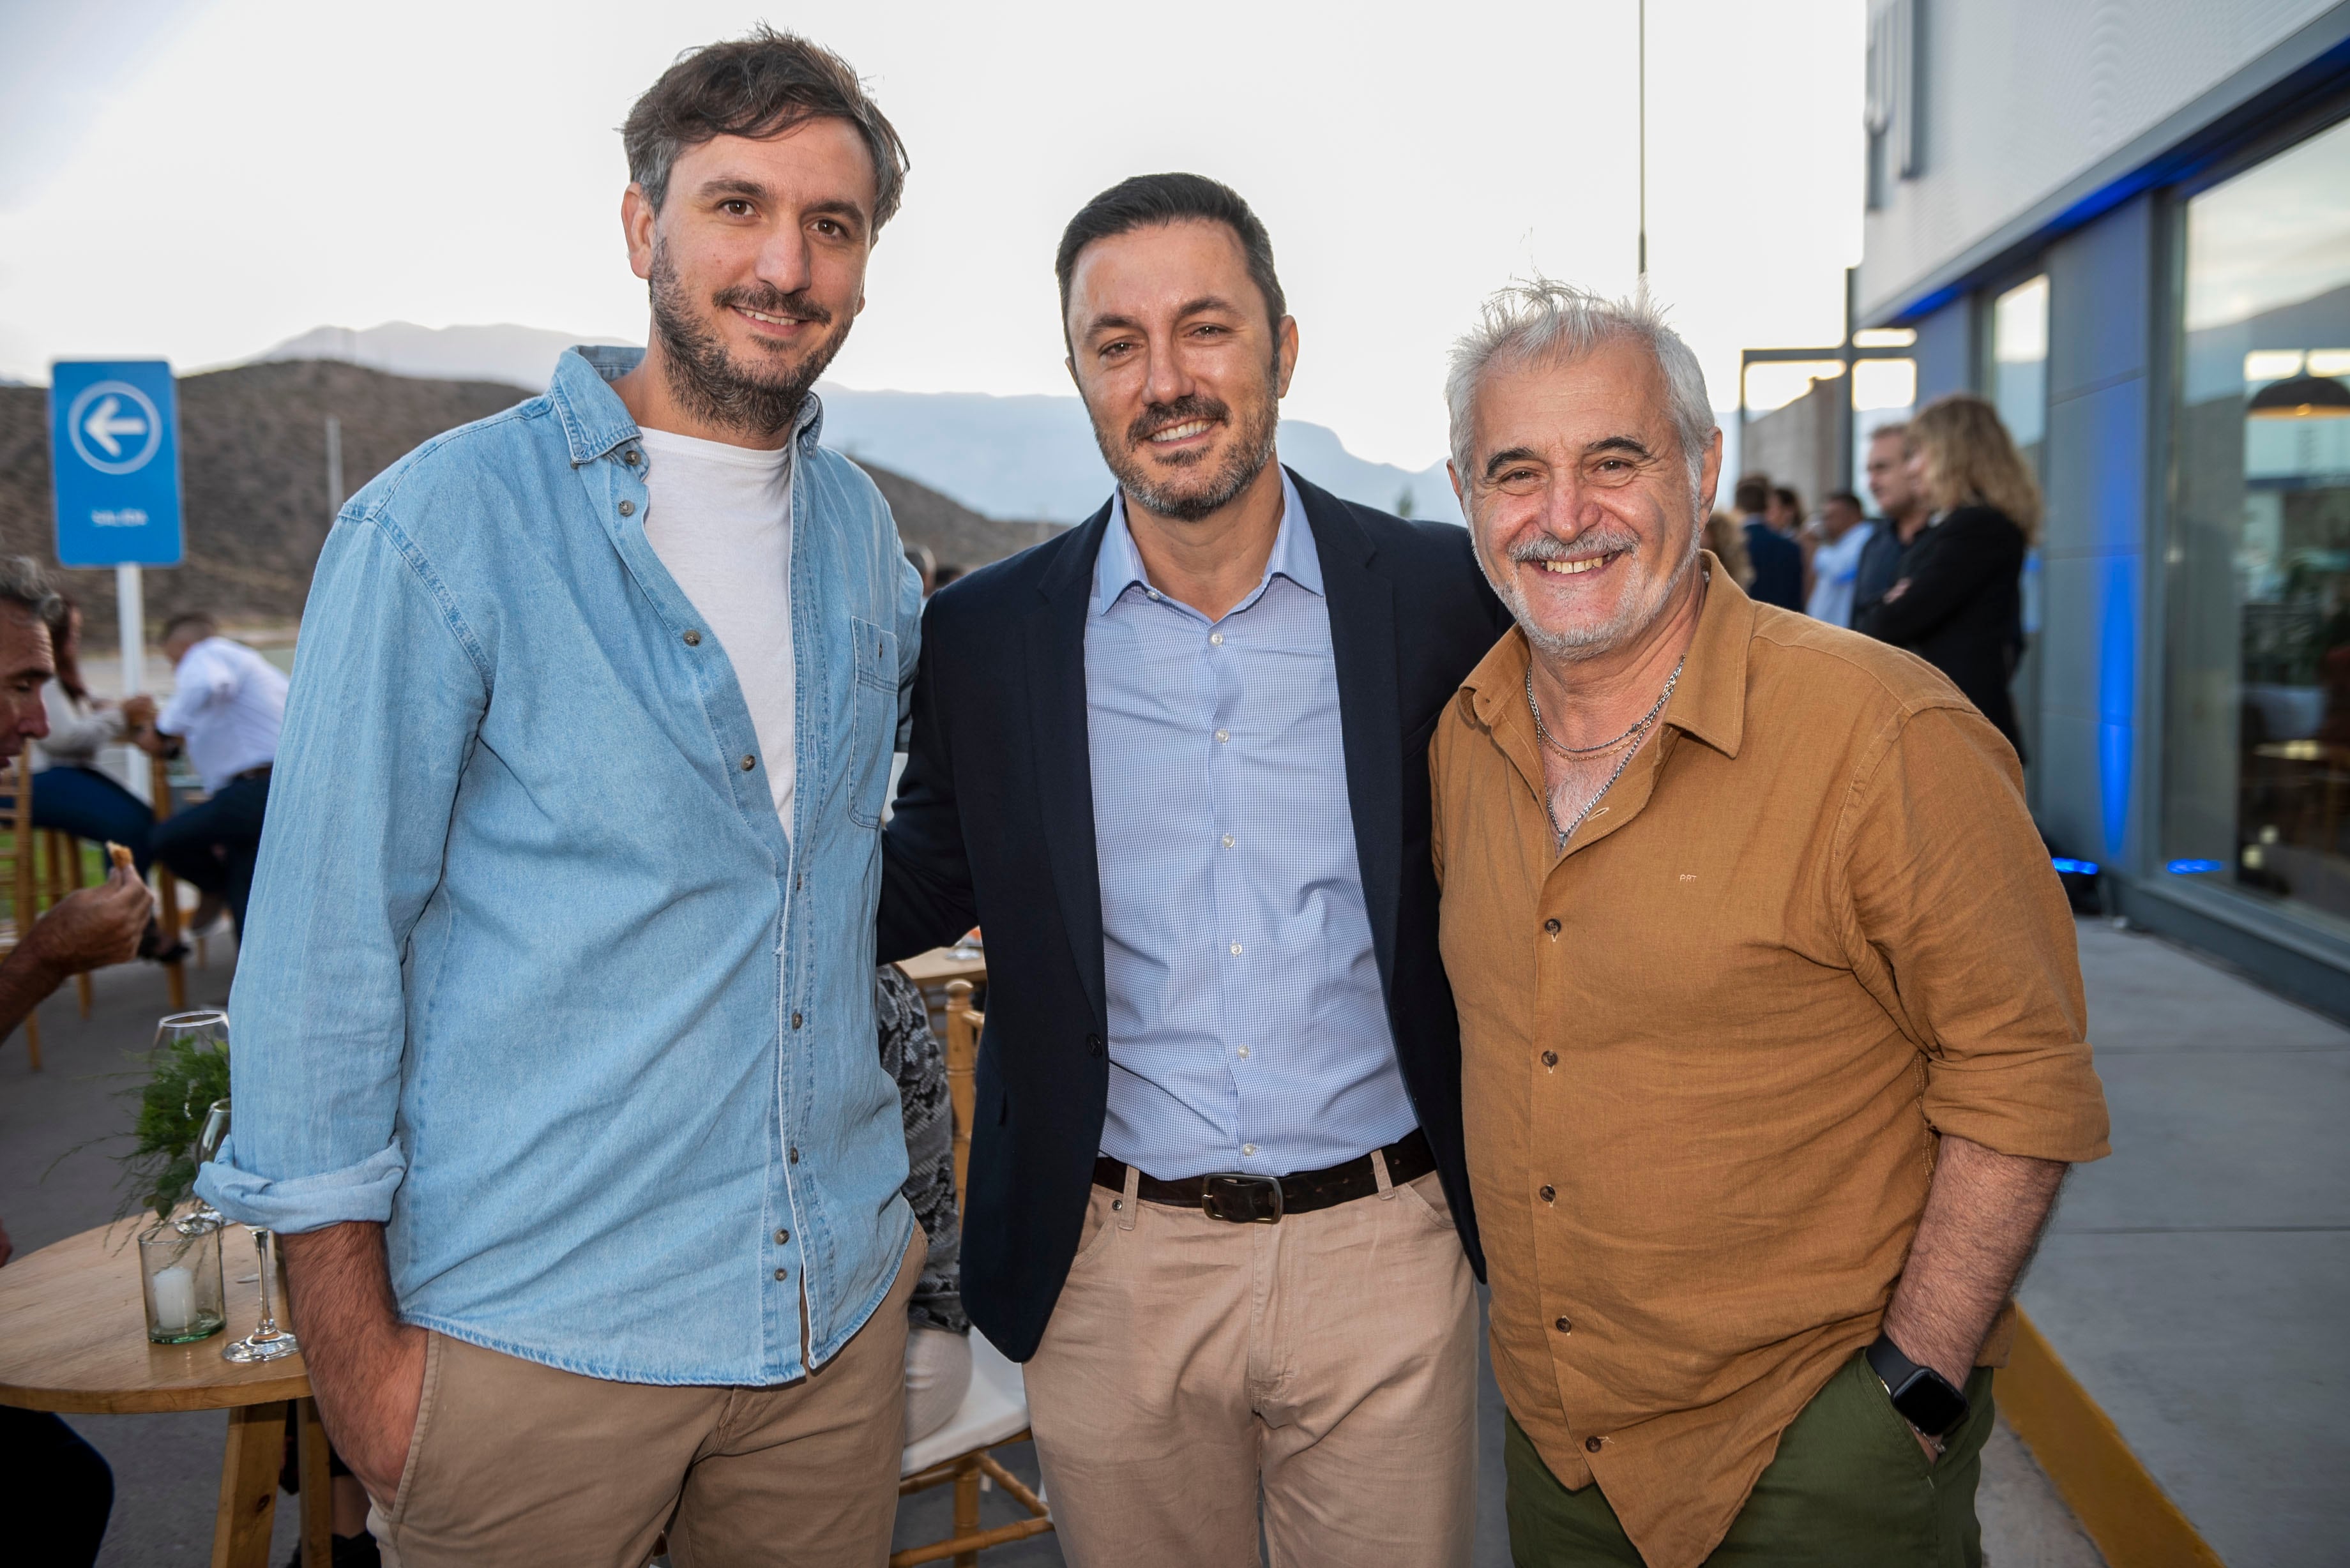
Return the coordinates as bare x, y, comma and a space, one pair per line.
1707, 1052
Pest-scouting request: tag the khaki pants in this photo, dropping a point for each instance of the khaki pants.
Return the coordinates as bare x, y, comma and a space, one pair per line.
514, 1462
1329, 1360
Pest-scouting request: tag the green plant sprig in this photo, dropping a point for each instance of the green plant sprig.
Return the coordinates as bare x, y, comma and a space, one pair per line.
186, 1076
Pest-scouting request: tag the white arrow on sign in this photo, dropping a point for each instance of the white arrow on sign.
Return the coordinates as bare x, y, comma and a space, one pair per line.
115, 427
106, 422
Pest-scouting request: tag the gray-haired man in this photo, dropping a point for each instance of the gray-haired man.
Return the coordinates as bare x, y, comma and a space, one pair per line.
1771, 1022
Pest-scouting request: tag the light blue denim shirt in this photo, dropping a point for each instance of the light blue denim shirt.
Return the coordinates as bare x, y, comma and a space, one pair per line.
1247, 1028
533, 970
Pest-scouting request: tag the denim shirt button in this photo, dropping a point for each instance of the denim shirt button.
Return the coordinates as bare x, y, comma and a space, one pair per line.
628, 509
693, 639
749, 762
796, 1023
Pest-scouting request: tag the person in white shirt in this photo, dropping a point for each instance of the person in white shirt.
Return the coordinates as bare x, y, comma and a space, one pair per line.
1844, 534
225, 708
70, 794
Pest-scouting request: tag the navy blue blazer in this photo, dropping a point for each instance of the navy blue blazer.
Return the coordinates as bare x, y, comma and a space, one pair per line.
994, 826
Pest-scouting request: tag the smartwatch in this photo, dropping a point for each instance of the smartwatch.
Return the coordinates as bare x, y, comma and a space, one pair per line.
1921, 1396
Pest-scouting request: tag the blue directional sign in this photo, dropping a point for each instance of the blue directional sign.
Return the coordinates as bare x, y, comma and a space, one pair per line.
114, 453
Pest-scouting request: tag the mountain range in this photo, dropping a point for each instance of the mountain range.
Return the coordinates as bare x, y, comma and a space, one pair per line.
1027, 458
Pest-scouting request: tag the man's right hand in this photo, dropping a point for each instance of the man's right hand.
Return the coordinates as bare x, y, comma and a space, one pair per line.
94, 927
366, 1367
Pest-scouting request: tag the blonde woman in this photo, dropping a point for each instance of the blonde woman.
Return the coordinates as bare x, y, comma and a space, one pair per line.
1727, 539
1957, 604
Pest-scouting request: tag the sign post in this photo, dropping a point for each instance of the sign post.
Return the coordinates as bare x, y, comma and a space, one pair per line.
114, 461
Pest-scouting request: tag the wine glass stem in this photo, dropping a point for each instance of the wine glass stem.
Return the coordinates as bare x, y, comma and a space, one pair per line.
268, 1326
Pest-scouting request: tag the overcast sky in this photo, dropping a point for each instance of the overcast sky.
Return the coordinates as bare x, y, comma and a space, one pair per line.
199, 179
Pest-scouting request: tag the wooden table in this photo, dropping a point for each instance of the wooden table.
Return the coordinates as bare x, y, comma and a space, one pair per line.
939, 965
73, 1339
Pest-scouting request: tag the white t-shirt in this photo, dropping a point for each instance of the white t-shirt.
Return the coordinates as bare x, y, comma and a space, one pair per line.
720, 518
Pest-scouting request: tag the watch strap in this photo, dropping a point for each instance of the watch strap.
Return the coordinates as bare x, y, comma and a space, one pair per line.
1898, 1373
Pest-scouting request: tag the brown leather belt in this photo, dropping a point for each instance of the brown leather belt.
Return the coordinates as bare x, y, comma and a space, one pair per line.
1245, 1200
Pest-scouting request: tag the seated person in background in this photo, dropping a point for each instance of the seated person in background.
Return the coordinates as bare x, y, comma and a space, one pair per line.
226, 707
56, 1492
70, 794
938, 1332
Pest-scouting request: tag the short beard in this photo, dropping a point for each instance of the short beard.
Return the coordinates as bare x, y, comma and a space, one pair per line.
1591, 641
1251, 449
708, 382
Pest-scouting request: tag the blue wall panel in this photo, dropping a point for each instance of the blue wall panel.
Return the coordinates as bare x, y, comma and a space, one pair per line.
1945, 351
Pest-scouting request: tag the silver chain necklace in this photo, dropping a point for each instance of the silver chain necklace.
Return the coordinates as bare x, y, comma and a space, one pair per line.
1637, 733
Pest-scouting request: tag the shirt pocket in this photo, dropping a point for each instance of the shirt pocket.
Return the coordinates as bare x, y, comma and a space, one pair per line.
874, 734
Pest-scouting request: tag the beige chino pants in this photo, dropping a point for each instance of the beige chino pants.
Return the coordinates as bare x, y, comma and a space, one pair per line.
1328, 1361
516, 1463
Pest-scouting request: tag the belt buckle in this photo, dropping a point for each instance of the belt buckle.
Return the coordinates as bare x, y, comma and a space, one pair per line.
1240, 1199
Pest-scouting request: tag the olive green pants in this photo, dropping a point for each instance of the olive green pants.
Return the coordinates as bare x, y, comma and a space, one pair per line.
1849, 1486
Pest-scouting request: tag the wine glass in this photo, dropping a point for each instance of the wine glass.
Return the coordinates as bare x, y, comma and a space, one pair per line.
267, 1342
208, 1142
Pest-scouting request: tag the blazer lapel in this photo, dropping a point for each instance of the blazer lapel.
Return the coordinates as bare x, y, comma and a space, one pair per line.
1370, 706
1055, 632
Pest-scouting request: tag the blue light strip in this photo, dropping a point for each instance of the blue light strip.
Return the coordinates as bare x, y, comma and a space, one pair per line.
2195, 867
2074, 867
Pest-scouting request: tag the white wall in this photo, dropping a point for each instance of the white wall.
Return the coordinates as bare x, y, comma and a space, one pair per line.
2019, 97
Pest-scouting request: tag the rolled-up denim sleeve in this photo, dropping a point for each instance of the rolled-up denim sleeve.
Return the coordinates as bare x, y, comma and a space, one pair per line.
390, 687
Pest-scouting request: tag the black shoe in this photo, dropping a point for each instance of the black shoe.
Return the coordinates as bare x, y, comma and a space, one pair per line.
150, 946
359, 1551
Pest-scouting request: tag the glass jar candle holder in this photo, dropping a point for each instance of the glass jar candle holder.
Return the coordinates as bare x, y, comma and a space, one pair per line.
180, 1277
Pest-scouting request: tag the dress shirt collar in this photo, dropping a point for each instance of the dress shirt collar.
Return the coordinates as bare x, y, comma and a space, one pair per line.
1119, 566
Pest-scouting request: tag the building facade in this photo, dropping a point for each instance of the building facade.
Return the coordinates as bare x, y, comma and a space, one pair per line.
2127, 223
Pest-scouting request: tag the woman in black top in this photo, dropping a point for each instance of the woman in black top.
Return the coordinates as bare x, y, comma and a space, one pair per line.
1958, 601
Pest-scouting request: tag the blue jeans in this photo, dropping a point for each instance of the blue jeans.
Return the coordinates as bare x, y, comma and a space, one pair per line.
213, 847
92, 807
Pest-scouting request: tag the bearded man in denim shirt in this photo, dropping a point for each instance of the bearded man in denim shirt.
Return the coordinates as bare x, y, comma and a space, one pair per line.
554, 1049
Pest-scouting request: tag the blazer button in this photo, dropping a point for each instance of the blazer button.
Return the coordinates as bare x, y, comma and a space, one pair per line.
1093, 1045
1591, 1445
1550, 1058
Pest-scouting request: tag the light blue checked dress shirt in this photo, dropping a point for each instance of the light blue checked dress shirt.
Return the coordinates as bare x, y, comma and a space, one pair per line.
1247, 1028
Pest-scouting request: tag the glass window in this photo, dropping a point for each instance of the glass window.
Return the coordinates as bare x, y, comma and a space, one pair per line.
2017, 384
2257, 763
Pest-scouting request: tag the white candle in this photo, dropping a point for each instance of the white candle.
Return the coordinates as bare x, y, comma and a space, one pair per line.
175, 1299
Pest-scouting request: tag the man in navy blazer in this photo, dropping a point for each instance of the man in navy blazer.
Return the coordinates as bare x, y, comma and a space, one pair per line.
1175, 762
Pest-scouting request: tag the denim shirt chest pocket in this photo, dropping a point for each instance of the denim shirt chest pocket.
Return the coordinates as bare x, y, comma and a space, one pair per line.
873, 697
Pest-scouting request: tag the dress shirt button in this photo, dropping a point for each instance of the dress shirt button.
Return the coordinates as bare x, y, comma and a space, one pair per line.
749, 762
1550, 1058
1228, 841
1591, 1445
1241, 1053
693, 639
1549, 1194
1223, 735
1236, 950
628, 509
1248, 1149
1153, 593
1216, 638
783, 1274
632, 457
1551, 926
1563, 1326
795, 1023
782, 1237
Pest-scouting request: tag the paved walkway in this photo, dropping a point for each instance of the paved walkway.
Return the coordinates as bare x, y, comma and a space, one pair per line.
2196, 1282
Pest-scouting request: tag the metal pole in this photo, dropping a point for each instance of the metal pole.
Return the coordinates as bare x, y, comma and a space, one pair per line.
335, 496
130, 614
1644, 143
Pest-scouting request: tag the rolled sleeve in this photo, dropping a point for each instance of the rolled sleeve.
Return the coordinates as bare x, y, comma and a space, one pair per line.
1951, 889
388, 695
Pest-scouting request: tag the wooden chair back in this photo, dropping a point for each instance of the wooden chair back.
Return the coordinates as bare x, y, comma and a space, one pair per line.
964, 1022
